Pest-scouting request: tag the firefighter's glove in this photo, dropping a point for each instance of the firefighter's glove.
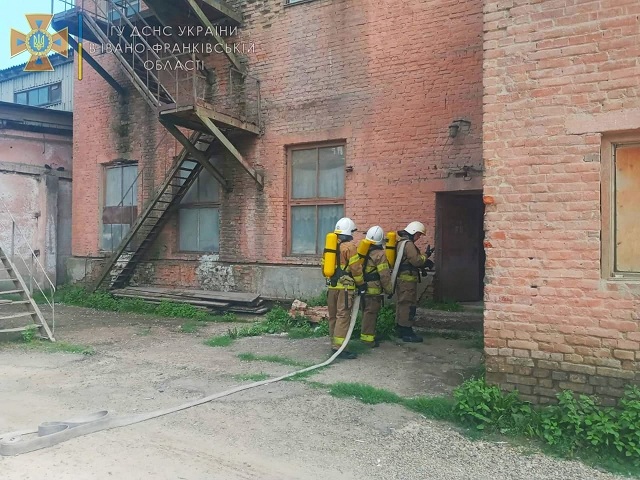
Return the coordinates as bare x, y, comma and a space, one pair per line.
390, 296
430, 265
429, 251
346, 280
362, 289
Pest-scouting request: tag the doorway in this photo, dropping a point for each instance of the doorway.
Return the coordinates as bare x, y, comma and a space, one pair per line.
459, 246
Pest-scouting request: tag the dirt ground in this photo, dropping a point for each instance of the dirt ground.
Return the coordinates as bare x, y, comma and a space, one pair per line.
282, 431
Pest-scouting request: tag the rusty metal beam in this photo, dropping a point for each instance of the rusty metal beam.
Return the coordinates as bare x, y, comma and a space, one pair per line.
225, 141
198, 155
225, 48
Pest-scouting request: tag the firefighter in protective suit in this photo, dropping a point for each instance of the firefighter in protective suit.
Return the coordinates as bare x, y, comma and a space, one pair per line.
411, 263
343, 285
377, 277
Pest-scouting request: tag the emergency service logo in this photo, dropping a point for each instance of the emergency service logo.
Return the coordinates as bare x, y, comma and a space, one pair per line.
39, 43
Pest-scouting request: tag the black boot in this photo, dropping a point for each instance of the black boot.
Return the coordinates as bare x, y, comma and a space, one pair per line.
346, 354
411, 337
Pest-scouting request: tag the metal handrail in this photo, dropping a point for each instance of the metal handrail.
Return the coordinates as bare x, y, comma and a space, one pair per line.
15, 227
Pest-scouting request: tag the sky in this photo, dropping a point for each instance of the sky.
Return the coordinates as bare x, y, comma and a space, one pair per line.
13, 12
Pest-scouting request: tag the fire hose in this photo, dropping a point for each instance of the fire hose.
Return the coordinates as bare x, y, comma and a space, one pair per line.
49, 434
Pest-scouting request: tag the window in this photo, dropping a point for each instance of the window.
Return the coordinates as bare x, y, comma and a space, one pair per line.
316, 196
132, 6
199, 216
620, 200
41, 96
120, 204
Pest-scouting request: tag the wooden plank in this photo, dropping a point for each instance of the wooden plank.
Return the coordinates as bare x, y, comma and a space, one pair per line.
176, 300
225, 141
204, 294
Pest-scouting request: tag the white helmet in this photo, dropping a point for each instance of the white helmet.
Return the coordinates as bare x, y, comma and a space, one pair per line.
415, 227
345, 226
375, 235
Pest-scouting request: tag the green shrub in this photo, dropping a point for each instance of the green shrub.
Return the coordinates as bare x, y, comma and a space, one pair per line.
179, 310
319, 301
576, 425
29, 334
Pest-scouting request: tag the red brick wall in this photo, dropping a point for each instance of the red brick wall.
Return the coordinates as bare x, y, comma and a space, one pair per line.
557, 74
386, 78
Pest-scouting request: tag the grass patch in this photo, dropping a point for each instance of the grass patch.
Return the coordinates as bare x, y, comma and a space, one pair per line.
446, 305
250, 357
251, 377
575, 428
219, 341
364, 393
190, 326
358, 347
319, 301
101, 300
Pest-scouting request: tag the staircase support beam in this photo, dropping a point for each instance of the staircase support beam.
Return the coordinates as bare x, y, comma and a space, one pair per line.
144, 91
198, 155
225, 48
98, 68
259, 179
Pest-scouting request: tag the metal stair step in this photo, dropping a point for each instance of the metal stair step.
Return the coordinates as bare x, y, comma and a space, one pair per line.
18, 315
8, 279
20, 329
14, 302
9, 292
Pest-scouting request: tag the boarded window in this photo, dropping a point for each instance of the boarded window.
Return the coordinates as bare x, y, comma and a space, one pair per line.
627, 208
316, 198
120, 204
199, 216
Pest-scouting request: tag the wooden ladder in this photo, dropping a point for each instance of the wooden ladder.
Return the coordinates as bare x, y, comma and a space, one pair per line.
19, 288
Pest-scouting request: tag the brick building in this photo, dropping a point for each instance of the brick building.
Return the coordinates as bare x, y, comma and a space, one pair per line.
561, 134
366, 110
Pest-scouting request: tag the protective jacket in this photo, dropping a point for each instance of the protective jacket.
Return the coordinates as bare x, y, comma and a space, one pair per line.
349, 271
377, 274
411, 263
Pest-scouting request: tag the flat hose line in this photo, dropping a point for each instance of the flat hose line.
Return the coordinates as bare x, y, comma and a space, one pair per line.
49, 434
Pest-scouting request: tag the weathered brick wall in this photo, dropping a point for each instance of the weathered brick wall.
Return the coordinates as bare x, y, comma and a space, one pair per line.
557, 75
387, 79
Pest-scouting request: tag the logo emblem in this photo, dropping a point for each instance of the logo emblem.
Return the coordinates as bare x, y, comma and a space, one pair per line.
39, 43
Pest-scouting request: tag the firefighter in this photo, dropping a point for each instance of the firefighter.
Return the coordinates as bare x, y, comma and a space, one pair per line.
407, 281
343, 285
377, 277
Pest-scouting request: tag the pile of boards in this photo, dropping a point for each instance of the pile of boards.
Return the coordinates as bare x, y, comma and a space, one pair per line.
219, 301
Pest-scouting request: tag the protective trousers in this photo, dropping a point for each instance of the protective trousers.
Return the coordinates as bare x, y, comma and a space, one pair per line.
406, 304
372, 305
340, 303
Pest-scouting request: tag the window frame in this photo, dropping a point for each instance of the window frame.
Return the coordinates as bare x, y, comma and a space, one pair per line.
198, 205
48, 87
315, 201
608, 204
132, 208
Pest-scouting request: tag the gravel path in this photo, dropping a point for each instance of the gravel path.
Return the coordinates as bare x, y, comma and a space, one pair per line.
283, 431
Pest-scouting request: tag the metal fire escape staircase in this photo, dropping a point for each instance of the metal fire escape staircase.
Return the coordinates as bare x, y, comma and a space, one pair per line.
26, 306
182, 100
